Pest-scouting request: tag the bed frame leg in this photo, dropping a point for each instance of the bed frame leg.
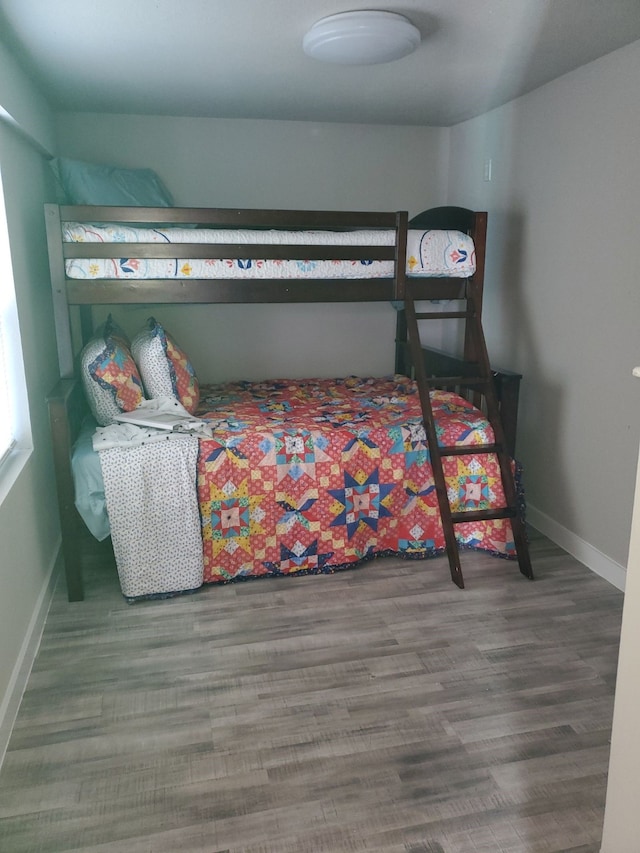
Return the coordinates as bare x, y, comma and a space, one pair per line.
60, 404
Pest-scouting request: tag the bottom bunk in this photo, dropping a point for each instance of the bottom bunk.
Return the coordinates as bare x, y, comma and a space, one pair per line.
286, 478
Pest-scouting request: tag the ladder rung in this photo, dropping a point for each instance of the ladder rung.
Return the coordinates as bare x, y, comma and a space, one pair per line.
469, 449
483, 514
457, 380
444, 315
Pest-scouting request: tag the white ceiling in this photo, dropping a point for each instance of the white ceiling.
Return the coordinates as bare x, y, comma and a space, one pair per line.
244, 58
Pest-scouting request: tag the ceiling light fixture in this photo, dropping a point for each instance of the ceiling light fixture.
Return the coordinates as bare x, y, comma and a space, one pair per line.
361, 38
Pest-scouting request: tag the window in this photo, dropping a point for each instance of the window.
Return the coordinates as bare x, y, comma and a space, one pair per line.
15, 433
6, 430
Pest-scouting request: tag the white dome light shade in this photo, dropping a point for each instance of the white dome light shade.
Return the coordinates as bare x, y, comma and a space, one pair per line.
361, 38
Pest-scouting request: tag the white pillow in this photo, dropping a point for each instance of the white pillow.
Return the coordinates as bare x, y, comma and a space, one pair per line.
164, 367
110, 377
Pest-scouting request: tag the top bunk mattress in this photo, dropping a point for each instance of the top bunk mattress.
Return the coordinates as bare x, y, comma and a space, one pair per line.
430, 253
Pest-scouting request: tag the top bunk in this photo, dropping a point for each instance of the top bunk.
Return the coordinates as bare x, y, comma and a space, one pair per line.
228, 255
108, 255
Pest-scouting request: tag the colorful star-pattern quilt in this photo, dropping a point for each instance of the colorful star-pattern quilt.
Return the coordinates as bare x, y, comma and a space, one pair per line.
316, 475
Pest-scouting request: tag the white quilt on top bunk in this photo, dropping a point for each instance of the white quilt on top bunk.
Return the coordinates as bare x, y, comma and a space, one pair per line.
431, 253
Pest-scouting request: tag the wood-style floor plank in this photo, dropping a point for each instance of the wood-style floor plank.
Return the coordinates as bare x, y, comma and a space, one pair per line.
379, 709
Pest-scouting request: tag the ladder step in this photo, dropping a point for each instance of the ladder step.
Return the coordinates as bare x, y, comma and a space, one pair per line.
457, 380
469, 449
483, 514
444, 315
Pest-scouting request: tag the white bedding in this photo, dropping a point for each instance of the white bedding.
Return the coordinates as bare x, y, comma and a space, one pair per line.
151, 499
435, 254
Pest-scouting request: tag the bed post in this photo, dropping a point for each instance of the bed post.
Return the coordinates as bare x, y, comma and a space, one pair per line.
402, 226
475, 286
58, 279
65, 411
66, 408
399, 284
402, 365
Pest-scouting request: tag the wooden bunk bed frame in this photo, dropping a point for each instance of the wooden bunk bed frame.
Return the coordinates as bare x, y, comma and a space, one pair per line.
66, 401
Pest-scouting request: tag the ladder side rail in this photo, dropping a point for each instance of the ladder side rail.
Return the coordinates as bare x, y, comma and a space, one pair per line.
504, 461
491, 402
400, 270
475, 284
402, 364
432, 439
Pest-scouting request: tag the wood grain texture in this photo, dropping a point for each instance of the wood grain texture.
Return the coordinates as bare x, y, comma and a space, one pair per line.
378, 709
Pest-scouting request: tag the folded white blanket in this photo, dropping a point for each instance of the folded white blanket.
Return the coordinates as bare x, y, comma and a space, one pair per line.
151, 496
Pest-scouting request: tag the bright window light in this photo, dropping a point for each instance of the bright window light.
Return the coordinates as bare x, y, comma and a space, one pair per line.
15, 433
6, 427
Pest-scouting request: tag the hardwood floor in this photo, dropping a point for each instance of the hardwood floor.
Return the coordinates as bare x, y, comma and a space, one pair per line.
379, 709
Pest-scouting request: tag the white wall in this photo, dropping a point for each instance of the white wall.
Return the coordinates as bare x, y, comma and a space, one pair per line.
245, 163
29, 532
22, 104
563, 301
620, 833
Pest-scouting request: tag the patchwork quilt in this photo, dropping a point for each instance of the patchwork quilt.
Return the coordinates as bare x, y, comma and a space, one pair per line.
315, 475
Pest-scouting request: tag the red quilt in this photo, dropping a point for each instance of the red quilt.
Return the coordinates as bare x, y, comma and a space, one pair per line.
314, 475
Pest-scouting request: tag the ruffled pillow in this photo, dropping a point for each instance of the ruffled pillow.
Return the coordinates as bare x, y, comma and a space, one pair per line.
165, 368
110, 377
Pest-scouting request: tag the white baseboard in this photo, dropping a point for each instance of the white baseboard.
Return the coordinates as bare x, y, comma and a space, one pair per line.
578, 548
22, 669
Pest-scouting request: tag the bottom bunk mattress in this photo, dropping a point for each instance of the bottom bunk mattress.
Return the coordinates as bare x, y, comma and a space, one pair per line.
315, 475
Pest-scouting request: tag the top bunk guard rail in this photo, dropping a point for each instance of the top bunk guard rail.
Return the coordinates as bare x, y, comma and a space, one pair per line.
222, 290
282, 251
227, 217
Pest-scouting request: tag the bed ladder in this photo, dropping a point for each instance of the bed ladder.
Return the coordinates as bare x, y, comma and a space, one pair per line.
483, 381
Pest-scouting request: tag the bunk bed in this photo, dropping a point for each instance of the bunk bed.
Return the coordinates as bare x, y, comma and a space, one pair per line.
196, 256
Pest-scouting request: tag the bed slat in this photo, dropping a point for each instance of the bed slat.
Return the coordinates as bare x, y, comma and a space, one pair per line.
229, 250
